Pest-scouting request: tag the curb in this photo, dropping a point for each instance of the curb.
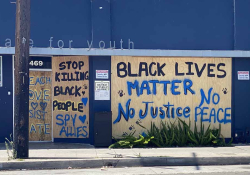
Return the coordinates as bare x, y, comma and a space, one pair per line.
125, 162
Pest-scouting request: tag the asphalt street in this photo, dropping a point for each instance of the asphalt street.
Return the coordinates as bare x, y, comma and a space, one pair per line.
204, 170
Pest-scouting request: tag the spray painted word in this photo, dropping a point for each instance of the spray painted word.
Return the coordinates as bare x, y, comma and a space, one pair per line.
146, 86
38, 110
42, 128
68, 123
37, 95
199, 70
212, 113
33, 81
69, 105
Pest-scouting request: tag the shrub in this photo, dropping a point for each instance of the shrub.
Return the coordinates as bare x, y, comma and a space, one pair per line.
171, 134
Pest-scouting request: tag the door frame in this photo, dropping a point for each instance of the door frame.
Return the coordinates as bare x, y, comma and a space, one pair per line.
13, 73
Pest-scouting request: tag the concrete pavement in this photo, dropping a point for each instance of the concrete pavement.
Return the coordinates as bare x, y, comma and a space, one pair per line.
167, 170
64, 155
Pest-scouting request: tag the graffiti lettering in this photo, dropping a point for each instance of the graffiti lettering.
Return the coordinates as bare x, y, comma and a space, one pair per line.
71, 64
42, 128
75, 76
199, 71
215, 97
73, 90
152, 69
174, 84
168, 110
33, 81
40, 109
37, 114
67, 106
215, 115
71, 130
37, 95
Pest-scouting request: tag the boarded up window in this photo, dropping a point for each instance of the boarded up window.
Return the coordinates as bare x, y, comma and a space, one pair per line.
70, 96
158, 89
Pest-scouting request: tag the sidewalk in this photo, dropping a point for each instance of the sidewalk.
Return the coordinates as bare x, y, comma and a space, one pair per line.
64, 155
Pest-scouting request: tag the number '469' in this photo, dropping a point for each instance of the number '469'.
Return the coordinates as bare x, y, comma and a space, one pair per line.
36, 63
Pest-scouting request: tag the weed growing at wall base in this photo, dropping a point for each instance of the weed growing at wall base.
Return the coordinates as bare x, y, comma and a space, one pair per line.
130, 141
171, 134
9, 144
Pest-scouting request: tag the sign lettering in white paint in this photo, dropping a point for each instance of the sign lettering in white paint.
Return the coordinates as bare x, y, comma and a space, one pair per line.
102, 90
102, 74
243, 75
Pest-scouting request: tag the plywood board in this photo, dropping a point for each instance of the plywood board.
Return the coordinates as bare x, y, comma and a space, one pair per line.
155, 89
70, 96
40, 111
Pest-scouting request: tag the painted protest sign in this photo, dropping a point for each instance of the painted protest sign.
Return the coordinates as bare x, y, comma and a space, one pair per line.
70, 97
40, 112
154, 89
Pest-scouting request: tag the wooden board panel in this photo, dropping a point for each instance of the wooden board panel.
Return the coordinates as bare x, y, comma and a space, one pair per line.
40, 111
155, 89
70, 96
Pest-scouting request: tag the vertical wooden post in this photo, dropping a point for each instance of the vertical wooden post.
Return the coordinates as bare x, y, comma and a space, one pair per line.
21, 101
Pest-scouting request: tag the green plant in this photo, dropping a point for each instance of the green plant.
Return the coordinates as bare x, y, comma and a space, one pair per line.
208, 137
130, 141
171, 134
181, 133
9, 144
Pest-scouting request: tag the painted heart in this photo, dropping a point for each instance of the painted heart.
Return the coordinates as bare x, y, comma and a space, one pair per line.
83, 93
85, 101
43, 105
34, 105
82, 118
30, 94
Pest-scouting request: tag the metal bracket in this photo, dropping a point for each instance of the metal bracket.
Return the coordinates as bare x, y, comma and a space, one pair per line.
23, 75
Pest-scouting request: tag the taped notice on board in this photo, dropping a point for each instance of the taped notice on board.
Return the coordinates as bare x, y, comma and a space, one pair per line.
102, 74
102, 90
243, 75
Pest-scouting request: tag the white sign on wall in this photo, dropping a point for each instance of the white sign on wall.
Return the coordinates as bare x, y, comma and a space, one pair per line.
243, 75
102, 90
102, 74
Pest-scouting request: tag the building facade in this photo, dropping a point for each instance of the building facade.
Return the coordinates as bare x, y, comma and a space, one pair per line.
145, 60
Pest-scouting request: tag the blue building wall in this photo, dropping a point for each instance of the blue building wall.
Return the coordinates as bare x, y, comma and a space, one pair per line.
7, 21
242, 25
62, 20
97, 63
150, 24
174, 24
240, 103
